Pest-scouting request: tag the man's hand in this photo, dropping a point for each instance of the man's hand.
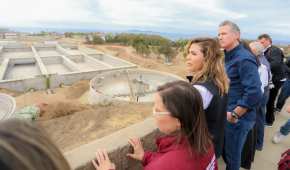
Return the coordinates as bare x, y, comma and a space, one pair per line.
230, 118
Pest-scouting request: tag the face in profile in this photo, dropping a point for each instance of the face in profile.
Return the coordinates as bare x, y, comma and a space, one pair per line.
194, 59
227, 37
165, 122
253, 49
265, 42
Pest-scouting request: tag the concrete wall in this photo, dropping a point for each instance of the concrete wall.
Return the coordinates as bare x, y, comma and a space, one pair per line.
69, 78
44, 48
17, 49
117, 146
52, 60
61, 50
76, 58
29, 60
21, 85
70, 64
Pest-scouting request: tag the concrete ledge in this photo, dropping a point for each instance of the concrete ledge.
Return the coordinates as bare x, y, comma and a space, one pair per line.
41, 66
3, 68
61, 50
72, 65
69, 78
36, 83
117, 146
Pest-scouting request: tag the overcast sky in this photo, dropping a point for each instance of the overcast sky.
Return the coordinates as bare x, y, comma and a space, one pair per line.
178, 16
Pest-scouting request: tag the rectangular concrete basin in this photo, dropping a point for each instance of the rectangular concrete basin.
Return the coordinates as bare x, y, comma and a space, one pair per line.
86, 64
16, 53
56, 65
21, 70
48, 51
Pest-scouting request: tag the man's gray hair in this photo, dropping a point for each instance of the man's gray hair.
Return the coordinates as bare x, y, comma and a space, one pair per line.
258, 46
233, 25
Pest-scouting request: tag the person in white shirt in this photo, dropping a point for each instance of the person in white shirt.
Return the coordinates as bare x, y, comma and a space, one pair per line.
265, 76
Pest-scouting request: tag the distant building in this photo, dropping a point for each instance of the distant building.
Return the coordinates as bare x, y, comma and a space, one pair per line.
9, 35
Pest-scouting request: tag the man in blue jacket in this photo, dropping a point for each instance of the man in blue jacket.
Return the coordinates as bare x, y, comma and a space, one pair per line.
244, 93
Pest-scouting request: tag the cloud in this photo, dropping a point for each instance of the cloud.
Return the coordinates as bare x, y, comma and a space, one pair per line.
181, 16
140, 13
32, 12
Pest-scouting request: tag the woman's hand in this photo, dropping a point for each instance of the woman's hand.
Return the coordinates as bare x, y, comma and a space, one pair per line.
138, 149
103, 162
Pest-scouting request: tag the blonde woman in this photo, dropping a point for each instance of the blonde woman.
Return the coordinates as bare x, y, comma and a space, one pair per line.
205, 66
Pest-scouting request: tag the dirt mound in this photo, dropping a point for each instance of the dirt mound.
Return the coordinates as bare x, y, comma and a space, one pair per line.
60, 109
77, 90
84, 126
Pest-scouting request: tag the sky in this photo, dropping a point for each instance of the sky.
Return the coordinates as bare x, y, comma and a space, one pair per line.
176, 16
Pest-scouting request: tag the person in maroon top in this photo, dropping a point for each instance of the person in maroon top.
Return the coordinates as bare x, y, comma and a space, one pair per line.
186, 143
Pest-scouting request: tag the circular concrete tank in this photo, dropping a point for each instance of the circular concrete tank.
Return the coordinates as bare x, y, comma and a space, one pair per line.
7, 106
136, 85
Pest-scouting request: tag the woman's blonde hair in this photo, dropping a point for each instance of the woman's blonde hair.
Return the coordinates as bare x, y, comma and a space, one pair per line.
23, 145
213, 68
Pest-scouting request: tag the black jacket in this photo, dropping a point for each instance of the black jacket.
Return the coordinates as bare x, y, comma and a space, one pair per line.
275, 57
216, 116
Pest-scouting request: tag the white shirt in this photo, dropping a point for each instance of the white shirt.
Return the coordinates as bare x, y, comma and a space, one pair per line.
264, 76
205, 95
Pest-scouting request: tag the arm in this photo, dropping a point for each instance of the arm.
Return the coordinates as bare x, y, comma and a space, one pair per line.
251, 83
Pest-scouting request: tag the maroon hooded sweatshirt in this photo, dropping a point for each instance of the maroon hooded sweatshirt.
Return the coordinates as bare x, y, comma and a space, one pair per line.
174, 155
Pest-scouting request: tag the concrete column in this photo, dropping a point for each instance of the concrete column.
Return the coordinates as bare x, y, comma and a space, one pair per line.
42, 67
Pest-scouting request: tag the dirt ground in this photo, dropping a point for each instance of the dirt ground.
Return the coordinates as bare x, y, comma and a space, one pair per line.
71, 122
152, 62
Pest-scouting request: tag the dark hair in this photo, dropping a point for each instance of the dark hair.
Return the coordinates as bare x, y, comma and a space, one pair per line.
266, 36
184, 102
24, 146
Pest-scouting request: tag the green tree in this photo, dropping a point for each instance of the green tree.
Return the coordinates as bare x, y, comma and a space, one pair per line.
97, 39
68, 34
168, 52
